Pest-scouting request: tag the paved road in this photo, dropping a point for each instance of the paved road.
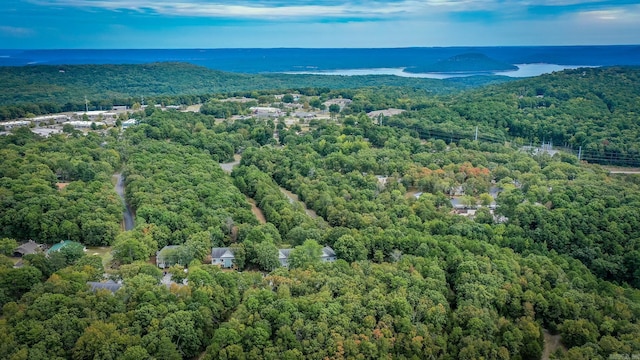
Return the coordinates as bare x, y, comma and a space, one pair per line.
128, 214
624, 172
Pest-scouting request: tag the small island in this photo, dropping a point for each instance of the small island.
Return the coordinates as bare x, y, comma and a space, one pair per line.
464, 63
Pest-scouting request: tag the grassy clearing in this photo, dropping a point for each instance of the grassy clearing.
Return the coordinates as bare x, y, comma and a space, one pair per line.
103, 251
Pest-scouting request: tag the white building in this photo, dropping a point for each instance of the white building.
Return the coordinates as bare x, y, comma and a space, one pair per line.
97, 114
46, 132
128, 123
340, 102
14, 124
56, 119
263, 111
83, 124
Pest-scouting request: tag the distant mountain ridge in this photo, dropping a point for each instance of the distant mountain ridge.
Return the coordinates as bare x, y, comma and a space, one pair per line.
464, 63
256, 61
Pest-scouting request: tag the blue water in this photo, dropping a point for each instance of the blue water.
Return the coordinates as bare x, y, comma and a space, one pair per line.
318, 60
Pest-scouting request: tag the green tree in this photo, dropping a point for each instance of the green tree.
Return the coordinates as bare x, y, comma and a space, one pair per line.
266, 256
305, 255
485, 199
72, 252
239, 255
101, 341
350, 249
128, 249
7, 246
287, 98
578, 332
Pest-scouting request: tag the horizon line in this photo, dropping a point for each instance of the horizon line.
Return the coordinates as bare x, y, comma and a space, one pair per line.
327, 48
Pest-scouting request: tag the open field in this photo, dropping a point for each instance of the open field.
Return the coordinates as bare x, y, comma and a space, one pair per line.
103, 251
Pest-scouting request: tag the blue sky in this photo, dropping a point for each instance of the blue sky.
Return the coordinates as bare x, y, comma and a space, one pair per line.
96, 24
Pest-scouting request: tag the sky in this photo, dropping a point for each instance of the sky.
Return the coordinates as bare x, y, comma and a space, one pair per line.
123, 24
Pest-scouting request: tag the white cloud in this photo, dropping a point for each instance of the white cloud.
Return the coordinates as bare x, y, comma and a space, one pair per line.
628, 14
278, 9
16, 31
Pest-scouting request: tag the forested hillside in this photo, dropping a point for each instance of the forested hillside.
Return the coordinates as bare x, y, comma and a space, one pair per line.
45, 89
447, 247
593, 108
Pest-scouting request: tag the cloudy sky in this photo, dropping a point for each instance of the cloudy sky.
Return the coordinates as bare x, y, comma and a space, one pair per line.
34, 24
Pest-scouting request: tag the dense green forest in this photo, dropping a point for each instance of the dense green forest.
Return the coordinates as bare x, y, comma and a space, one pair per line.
542, 246
44, 89
595, 109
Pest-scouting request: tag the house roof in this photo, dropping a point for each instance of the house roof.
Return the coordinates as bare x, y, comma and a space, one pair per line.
228, 254
284, 253
60, 245
327, 251
30, 247
221, 252
108, 285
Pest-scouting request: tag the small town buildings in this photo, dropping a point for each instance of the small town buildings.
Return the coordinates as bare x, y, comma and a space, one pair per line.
265, 112
96, 115
386, 112
30, 247
340, 102
305, 115
50, 119
8, 125
224, 257
83, 124
45, 132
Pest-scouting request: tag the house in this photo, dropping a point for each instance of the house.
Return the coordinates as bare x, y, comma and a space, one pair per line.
222, 257
129, 123
304, 115
8, 125
108, 285
328, 255
44, 132
62, 244
168, 256
30, 247
50, 119
261, 111
283, 257
385, 113
340, 102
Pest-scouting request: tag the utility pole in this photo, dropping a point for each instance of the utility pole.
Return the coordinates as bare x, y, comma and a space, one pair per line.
476, 137
86, 104
579, 153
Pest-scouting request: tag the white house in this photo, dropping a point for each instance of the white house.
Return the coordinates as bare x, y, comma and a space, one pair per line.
328, 255
222, 257
128, 123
